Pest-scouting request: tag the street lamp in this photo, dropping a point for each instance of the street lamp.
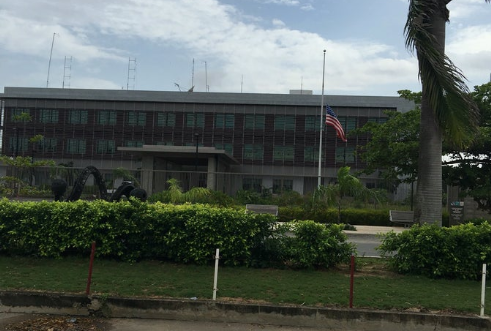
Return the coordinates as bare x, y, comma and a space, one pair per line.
196, 136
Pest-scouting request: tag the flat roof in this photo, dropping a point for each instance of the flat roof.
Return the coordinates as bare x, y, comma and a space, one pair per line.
401, 104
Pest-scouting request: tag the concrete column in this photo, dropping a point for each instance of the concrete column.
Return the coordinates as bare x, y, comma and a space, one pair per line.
212, 170
147, 174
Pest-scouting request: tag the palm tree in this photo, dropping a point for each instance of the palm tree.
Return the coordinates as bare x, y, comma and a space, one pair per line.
447, 110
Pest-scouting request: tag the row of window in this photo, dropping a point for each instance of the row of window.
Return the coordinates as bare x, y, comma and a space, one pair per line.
192, 120
250, 151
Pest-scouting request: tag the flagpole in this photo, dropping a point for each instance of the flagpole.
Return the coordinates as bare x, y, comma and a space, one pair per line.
321, 122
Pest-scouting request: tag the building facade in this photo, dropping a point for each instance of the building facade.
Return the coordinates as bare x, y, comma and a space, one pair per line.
225, 141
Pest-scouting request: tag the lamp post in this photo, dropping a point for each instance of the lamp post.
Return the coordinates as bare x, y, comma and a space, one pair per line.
16, 148
196, 136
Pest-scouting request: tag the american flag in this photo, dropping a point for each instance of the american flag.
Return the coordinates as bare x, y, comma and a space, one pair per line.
332, 120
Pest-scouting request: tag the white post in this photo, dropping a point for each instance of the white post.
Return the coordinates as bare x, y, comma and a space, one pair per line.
322, 121
215, 278
483, 288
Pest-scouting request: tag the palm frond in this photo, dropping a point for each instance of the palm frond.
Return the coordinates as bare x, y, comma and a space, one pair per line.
443, 83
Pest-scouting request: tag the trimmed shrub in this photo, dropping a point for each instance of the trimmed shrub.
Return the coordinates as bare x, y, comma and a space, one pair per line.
455, 252
314, 245
188, 233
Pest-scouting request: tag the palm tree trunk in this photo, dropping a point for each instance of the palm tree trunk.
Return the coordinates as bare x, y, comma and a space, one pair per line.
428, 207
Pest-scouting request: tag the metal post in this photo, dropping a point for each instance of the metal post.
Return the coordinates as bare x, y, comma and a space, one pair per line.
196, 135
215, 278
321, 122
16, 150
483, 289
91, 264
352, 276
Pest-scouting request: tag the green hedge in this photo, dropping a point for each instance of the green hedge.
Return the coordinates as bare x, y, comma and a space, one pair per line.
455, 252
131, 230
375, 217
190, 233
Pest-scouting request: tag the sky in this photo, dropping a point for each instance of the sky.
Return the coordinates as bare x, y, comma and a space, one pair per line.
245, 46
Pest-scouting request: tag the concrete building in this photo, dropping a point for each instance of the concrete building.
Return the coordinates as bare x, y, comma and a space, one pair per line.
224, 141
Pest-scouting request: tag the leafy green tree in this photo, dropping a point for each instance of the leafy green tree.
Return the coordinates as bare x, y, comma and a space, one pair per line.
470, 169
446, 109
397, 158
393, 147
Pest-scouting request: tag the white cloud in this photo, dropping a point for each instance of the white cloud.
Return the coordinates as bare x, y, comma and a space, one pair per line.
469, 50
465, 8
270, 60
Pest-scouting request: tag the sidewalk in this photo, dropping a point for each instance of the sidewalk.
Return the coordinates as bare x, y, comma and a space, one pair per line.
369, 229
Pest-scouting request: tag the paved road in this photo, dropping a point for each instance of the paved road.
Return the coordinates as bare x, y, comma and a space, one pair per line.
367, 238
365, 244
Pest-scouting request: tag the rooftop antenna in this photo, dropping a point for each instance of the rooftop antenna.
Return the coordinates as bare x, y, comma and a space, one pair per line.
131, 73
206, 78
192, 74
67, 67
301, 85
241, 83
177, 85
50, 56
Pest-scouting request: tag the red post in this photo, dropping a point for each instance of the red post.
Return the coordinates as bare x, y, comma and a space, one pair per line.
352, 277
89, 279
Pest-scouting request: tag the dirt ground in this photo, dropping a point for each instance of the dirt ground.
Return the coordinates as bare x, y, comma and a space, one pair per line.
53, 323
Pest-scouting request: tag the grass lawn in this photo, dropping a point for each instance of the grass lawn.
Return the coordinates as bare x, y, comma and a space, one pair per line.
374, 286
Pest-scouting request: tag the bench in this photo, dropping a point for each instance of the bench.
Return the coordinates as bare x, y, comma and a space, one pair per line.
402, 217
262, 209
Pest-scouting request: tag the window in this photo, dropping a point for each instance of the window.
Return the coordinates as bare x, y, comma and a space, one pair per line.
18, 144
345, 155
282, 122
254, 122
311, 154
312, 123
195, 120
106, 117
77, 117
253, 152
283, 153
20, 115
48, 144
137, 118
134, 143
282, 185
252, 184
48, 116
224, 121
226, 147
76, 146
348, 123
105, 147
379, 120
166, 119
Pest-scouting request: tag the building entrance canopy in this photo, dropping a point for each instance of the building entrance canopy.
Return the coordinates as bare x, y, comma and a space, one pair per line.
214, 159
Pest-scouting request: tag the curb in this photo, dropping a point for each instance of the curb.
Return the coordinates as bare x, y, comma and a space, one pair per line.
216, 311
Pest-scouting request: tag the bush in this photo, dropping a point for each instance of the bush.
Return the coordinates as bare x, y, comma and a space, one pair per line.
377, 217
188, 233
314, 245
455, 252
